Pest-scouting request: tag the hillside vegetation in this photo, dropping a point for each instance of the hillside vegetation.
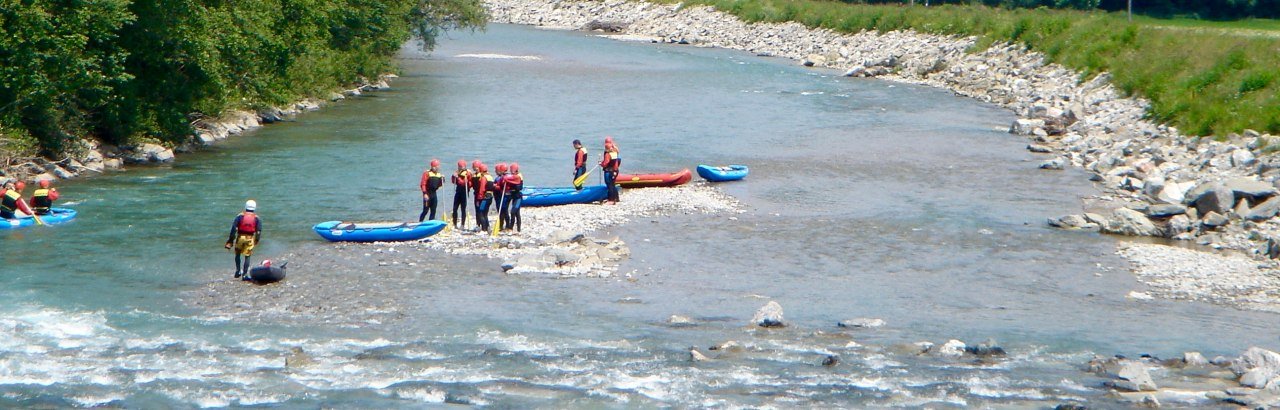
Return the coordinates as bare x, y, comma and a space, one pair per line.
123, 70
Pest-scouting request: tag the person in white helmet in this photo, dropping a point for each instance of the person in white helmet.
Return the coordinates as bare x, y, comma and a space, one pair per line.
245, 233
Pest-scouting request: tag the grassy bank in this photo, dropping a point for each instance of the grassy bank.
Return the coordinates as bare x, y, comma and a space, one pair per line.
1205, 78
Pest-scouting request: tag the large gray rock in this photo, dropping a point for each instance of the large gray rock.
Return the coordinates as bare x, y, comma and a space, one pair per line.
769, 316
1023, 126
1072, 222
1243, 158
1264, 210
1165, 210
1214, 220
1173, 192
952, 348
1258, 368
1242, 187
1125, 221
1217, 198
1131, 376
1054, 164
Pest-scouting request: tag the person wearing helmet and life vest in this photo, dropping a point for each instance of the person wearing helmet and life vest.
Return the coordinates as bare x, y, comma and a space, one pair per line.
500, 194
610, 163
42, 199
246, 230
483, 182
11, 200
512, 185
430, 183
579, 162
461, 182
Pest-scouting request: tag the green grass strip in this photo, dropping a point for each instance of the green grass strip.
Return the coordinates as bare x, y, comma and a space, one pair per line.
1206, 78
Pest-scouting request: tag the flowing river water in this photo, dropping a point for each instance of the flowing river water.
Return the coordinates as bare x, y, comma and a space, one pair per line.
867, 199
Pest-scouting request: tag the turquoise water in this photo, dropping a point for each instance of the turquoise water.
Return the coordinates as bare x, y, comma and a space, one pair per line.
866, 199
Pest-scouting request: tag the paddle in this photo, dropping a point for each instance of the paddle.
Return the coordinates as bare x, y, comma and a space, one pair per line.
581, 179
36, 217
498, 226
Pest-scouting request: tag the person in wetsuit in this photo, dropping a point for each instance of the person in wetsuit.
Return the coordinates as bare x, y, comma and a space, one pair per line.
42, 199
430, 183
246, 230
610, 163
11, 200
483, 182
461, 181
513, 184
579, 162
500, 196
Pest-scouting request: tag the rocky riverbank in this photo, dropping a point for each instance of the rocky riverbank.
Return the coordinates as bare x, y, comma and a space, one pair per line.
1154, 180
90, 157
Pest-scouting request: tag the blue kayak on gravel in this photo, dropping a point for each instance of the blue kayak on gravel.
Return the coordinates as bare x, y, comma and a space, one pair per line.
563, 196
338, 231
55, 216
722, 174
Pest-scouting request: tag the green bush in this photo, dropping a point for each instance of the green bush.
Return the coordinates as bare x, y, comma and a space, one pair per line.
122, 70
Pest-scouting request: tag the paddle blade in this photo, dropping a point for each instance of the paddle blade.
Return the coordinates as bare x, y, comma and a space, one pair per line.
581, 179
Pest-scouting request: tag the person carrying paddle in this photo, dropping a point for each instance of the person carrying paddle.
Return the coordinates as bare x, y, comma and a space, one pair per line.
461, 181
11, 200
512, 185
610, 163
500, 196
42, 199
430, 183
579, 163
246, 230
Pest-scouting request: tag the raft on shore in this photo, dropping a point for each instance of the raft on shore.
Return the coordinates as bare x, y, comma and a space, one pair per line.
54, 217
655, 180
723, 174
338, 231
536, 196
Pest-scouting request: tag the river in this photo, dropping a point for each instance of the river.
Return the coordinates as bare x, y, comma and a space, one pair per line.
866, 199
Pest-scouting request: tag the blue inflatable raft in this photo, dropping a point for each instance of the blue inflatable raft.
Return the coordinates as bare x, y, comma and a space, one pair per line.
338, 231
563, 196
55, 216
722, 174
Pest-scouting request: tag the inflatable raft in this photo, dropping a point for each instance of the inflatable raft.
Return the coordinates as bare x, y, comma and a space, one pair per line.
654, 180
562, 196
338, 231
722, 174
55, 216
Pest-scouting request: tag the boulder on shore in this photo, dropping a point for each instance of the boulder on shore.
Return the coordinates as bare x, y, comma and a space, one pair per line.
1258, 368
1125, 221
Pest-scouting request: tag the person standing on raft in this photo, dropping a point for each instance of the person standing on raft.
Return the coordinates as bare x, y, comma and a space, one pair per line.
579, 162
42, 199
461, 181
430, 183
11, 200
610, 163
246, 230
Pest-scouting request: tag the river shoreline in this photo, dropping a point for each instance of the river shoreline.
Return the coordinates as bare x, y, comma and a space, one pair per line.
1154, 181
91, 157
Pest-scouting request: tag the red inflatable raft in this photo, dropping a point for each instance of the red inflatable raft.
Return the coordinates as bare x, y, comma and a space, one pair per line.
654, 180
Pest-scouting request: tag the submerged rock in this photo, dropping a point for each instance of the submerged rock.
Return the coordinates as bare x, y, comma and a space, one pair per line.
952, 348
769, 316
988, 348
861, 322
831, 360
695, 355
1129, 375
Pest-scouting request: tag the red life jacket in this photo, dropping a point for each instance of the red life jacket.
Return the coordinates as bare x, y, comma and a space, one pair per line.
580, 158
248, 223
513, 183
482, 185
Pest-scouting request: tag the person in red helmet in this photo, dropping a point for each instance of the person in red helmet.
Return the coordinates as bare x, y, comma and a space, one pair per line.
512, 184
610, 163
476, 188
461, 181
500, 195
42, 199
430, 183
484, 196
11, 200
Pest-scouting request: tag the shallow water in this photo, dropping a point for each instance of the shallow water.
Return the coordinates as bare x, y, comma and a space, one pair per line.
866, 199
